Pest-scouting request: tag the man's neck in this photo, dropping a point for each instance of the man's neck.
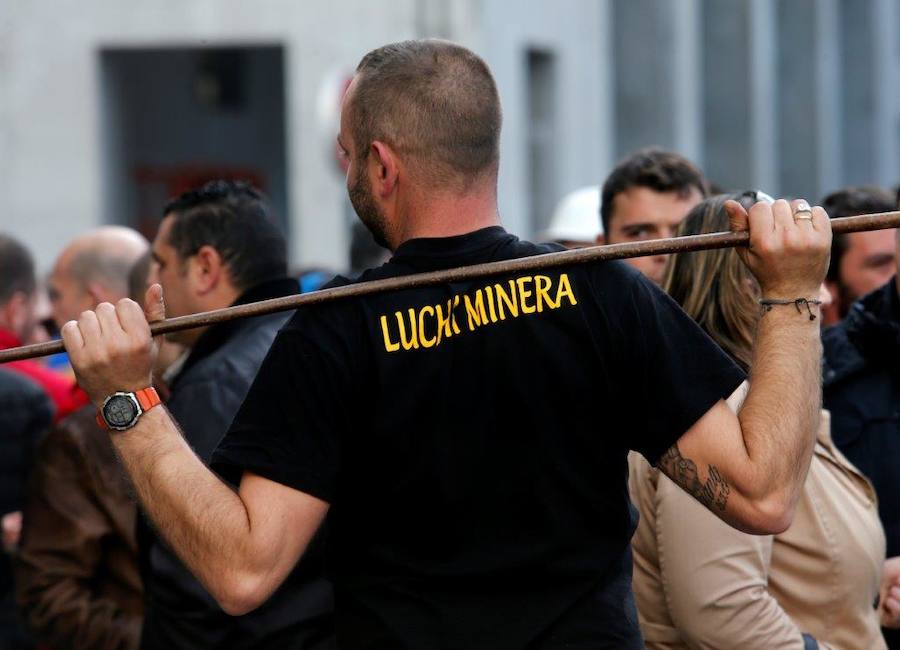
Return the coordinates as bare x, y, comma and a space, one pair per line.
449, 217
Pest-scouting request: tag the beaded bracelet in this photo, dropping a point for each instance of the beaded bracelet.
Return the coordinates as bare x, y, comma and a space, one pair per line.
768, 303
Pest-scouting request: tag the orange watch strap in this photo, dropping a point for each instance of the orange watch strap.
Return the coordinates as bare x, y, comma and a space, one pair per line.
147, 398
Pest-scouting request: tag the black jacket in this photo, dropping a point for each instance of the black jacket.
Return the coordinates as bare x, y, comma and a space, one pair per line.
862, 391
205, 397
25, 414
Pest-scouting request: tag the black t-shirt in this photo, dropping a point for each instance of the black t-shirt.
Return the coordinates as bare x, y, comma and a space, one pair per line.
471, 439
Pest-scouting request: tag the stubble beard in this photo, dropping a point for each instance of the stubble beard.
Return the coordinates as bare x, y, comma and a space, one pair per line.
364, 205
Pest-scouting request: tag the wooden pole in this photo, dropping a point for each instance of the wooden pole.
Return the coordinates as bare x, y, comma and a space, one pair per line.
880, 221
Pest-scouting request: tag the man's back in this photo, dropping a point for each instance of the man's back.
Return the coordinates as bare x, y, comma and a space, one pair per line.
476, 501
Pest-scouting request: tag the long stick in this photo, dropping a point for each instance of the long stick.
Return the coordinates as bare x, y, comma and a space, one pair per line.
844, 225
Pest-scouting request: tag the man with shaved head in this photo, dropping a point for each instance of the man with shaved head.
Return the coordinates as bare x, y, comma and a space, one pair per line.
470, 505
77, 578
92, 269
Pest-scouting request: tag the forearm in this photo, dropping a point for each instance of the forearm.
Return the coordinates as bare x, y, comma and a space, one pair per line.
204, 521
780, 416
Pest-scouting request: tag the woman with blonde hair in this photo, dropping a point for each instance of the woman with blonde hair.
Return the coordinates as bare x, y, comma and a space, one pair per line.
699, 583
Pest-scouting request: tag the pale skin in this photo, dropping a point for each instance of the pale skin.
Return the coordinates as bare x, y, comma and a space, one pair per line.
640, 214
199, 283
867, 264
869, 261
242, 544
69, 294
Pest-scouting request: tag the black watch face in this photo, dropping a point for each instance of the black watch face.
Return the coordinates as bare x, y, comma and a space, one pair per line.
120, 411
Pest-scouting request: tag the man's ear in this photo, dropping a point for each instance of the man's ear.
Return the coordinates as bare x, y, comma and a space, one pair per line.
207, 267
15, 313
99, 293
384, 166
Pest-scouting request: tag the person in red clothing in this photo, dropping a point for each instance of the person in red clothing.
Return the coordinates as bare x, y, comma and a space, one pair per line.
18, 321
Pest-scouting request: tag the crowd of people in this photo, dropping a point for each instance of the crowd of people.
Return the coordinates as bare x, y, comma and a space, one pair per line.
451, 466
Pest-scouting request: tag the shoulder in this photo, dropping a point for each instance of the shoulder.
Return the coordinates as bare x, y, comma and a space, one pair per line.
618, 287
617, 275
240, 355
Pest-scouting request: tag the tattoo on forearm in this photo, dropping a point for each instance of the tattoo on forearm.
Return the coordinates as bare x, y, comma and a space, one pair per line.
713, 493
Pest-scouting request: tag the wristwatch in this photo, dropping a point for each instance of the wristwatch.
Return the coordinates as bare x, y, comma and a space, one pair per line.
121, 410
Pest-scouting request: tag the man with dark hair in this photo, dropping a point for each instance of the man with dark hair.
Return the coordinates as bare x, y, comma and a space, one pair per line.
862, 392
217, 246
18, 321
647, 196
860, 261
467, 508
221, 229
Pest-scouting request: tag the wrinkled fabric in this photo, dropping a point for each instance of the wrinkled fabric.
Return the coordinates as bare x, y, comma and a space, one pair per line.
77, 578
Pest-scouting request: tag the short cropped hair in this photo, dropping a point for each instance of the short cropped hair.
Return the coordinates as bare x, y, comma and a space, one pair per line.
431, 99
17, 273
232, 217
850, 202
654, 168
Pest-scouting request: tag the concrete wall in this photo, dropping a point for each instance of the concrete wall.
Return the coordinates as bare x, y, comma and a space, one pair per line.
51, 149
789, 96
576, 33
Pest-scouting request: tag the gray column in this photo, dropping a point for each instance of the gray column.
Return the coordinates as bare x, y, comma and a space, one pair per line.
687, 118
763, 121
798, 145
828, 94
884, 59
859, 133
643, 44
727, 95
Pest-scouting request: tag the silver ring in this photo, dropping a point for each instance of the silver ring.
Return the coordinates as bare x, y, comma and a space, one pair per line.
803, 211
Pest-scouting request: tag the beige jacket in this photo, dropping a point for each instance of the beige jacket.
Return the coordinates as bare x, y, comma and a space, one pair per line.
699, 583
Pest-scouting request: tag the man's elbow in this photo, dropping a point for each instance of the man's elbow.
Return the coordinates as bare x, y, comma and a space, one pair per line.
769, 516
240, 594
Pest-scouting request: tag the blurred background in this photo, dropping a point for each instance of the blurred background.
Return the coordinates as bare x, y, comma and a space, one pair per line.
107, 108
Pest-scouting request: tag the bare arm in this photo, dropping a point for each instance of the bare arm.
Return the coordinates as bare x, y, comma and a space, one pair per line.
240, 545
749, 469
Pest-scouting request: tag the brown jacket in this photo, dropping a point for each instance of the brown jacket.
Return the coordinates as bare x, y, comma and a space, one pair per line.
77, 578
699, 583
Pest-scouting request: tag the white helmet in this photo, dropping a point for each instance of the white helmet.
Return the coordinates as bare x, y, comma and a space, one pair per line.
576, 218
